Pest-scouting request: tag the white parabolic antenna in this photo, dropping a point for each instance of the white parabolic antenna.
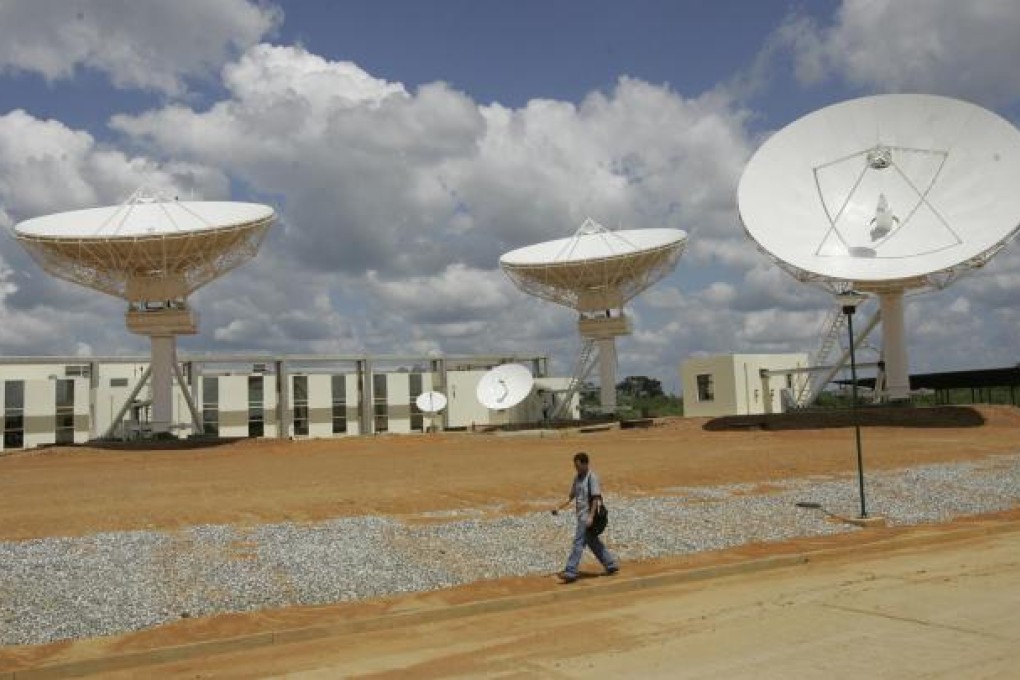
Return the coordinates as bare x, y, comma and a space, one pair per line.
596, 272
504, 386
885, 194
430, 402
152, 253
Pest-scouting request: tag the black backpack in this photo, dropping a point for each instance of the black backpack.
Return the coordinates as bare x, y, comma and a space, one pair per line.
601, 518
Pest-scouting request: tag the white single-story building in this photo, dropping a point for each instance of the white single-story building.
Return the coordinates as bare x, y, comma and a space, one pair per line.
734, 384
64, 400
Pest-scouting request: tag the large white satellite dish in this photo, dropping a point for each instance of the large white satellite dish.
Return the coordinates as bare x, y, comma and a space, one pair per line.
885, 194
596, 272
430, 403
153, 253
504, 386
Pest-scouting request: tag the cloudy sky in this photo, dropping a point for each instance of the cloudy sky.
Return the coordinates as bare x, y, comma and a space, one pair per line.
407, 144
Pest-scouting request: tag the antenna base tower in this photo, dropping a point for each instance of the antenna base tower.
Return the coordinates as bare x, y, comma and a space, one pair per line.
603, 331
600, 328
162, 322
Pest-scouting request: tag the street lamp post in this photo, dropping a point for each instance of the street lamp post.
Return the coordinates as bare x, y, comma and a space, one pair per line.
849, 301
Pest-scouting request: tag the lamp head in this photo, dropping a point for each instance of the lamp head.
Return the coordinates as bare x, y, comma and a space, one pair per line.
849, 300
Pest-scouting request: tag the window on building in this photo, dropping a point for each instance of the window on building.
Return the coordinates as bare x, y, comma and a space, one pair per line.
211, 405
256, 403
300, 393
380, 409
339, 404
65, 394
77, 371
118, 382
706, 387
14, 414
789, 381
417, 419
64, 430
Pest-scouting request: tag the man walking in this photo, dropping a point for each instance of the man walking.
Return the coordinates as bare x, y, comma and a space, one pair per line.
586, 492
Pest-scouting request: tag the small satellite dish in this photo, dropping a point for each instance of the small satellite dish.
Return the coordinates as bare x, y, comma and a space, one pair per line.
430, 402
885, 194
504, 386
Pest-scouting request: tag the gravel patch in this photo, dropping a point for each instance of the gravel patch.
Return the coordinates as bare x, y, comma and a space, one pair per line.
64, 588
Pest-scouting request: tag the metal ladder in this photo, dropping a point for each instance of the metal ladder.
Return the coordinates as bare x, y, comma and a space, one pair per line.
831, 328
582, 367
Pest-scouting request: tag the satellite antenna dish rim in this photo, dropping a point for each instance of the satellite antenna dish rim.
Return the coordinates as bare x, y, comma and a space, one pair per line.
200, 217
190, 244
635, 242
504, 386
431, 403
895, 120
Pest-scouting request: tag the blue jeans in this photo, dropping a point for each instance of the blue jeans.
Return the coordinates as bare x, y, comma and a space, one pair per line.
583, 537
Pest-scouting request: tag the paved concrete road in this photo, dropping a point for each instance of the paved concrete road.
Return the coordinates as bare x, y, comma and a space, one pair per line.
950, 610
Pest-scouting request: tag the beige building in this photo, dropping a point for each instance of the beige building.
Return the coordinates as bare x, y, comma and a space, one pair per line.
741, 384
63, 400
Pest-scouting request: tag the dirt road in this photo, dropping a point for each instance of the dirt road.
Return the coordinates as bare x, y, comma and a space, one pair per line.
943, 610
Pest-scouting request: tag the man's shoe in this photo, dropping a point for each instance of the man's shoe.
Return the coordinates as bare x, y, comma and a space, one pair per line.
565, 578
610, 572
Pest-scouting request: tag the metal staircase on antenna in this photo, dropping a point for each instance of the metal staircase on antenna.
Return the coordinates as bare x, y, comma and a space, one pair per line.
583, 366
822, 371
830, 331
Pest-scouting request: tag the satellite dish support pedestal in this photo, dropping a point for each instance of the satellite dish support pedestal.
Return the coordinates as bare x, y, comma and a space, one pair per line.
162, 322
604, 330
894, 346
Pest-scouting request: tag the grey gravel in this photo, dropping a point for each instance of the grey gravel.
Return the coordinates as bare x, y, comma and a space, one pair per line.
60, 588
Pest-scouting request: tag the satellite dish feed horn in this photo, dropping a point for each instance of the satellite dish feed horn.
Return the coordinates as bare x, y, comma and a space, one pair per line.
883, 220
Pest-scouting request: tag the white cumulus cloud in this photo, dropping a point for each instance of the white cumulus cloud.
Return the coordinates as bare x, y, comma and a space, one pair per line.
968, 49
157, 49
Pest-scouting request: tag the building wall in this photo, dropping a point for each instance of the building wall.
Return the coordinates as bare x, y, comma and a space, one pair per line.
101, 388
35, 423
463, 409
320, 405
737, 384
722, 400
238, 416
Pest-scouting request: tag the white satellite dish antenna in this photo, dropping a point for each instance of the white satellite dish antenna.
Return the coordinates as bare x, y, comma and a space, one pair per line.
884, 195
153, 253
430, 403
504, 387
596, 272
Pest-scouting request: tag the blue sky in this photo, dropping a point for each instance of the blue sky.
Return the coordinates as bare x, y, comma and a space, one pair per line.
407, 144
